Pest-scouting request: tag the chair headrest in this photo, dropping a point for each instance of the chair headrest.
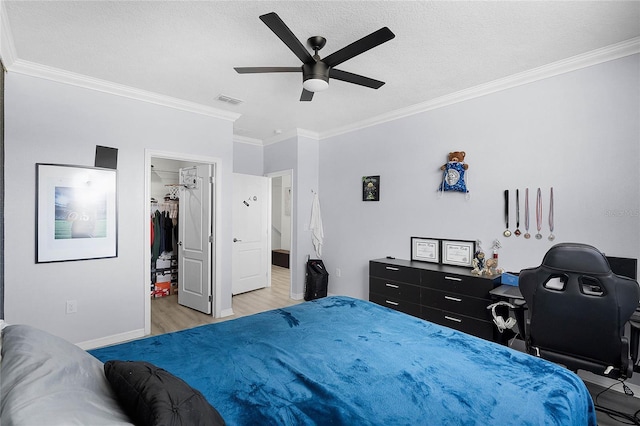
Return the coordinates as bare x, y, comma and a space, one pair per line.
576, 257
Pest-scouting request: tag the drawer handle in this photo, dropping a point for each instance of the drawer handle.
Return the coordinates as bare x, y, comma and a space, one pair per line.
454, 299
392, 303
392, 285
452, 278
452, 318
391, 268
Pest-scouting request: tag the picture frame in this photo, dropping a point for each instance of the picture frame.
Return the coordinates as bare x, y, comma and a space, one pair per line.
76, 213
370, 188
425, 249
458, 252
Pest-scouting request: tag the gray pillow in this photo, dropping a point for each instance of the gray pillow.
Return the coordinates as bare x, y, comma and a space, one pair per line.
49, 381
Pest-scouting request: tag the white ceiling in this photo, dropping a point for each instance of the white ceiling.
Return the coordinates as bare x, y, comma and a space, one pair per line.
187, 49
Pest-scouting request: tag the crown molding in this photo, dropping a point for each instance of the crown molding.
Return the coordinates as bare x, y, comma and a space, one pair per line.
598, 56
308, 134
66, 77
7, 48
595, 57
294, 133
247, 140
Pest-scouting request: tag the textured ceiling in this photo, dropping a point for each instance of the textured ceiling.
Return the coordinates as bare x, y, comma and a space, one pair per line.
187, 49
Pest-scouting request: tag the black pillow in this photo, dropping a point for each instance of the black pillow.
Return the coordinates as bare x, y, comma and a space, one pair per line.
153, 396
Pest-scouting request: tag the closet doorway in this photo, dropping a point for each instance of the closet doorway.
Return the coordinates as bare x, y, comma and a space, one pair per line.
281, 225
183, 269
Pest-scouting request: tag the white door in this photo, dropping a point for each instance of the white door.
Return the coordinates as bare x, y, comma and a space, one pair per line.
250, 252
195, 238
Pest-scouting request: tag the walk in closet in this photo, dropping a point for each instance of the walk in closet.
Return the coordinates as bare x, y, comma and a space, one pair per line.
163, 222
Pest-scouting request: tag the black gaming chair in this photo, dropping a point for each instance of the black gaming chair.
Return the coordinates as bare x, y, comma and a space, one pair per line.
578, 309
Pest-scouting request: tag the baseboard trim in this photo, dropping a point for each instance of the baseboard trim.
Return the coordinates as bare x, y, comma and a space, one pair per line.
111, 340
226, 313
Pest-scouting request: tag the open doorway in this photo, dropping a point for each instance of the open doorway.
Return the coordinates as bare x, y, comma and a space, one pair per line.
173, 271
281, 226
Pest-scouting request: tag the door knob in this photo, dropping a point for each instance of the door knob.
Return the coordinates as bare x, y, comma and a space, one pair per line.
235, 240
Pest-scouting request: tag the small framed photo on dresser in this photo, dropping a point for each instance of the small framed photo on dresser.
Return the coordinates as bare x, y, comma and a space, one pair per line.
458, 253
425, 249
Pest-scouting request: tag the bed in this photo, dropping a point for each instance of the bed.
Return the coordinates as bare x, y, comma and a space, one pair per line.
345, 361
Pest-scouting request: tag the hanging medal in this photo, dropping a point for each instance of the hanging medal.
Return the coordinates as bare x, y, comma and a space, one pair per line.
551, 224
539, 214
517, 231
527, 235
506, 232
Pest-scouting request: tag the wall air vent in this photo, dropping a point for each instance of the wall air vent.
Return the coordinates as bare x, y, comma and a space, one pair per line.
228, 99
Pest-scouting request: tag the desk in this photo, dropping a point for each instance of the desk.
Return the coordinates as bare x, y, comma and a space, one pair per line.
505, 291
511, 294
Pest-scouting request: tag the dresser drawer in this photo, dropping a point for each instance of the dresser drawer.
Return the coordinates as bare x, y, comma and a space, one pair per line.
395, 290
476, 327
394, 272
471, 286
455, 302
396, 304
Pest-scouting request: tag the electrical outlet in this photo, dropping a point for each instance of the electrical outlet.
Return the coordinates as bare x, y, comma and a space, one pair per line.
72, 306
338, 272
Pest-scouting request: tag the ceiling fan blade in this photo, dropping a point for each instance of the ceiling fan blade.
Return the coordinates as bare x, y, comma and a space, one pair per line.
254, 70
374, 39
306, 95
355, 78
273, 21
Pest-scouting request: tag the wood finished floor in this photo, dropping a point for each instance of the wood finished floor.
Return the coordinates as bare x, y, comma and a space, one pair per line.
167, 315
612, 399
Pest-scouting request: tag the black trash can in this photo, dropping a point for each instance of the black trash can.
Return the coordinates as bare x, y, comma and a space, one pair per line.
317, 280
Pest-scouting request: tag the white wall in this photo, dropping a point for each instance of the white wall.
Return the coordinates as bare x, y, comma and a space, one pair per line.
300, 154
276, 213
285, 219
56, 123
247, 158
577, 132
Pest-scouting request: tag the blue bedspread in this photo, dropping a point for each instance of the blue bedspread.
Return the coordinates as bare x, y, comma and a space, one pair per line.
345, 361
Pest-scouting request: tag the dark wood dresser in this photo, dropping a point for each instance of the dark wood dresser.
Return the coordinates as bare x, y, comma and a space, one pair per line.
446, 295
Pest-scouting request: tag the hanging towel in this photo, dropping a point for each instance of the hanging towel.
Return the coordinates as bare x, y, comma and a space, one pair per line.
317, 233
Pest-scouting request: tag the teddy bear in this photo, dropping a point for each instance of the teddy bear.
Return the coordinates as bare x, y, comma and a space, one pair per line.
456, 157
478, 263
491, 267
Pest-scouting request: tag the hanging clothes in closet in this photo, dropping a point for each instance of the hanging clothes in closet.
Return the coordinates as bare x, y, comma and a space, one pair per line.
164, 225
164, 220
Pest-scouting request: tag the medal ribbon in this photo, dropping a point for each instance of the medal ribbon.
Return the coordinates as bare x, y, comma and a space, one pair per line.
517, 208
551, 211
506, 207
539, 210
526, 209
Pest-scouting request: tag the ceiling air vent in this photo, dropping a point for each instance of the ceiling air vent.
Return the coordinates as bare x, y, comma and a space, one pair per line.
228, 99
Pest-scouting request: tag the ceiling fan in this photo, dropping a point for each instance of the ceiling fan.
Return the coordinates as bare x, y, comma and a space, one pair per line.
316, 71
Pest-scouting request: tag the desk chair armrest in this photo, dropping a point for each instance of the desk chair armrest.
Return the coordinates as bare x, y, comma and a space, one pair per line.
634, 343
626, 363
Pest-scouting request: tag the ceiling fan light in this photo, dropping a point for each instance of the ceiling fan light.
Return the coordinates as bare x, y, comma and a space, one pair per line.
315, 84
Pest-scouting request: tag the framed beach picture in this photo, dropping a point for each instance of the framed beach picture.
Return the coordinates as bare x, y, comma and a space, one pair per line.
76, 213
